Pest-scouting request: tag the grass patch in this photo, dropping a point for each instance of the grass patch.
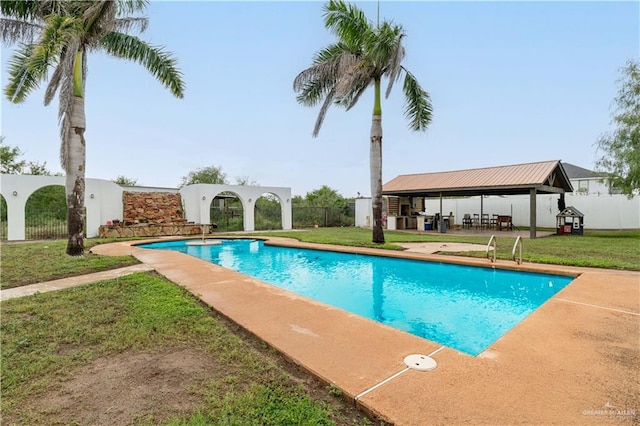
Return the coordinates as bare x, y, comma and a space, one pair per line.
599, 249
45, 348
360, 237
29, 263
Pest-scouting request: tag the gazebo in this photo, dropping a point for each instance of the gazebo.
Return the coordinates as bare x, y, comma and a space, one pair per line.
546, 177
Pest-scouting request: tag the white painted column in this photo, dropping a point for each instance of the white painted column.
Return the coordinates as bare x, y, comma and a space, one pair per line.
287, 221
249, 207
16, 216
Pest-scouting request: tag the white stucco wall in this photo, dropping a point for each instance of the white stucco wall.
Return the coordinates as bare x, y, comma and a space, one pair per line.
103, 201
197, 200
364, 212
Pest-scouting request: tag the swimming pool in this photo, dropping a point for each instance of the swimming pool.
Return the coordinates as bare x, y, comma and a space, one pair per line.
463, 307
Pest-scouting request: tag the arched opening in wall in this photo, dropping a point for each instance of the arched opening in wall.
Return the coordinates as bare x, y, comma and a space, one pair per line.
268, 213
46, 214
227, 212
3, 218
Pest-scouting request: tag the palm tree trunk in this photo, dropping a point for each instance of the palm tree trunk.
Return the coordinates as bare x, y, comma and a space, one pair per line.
375, 167
76, 154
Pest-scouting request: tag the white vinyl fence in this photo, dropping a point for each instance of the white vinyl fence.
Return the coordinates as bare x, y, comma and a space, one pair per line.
600, 211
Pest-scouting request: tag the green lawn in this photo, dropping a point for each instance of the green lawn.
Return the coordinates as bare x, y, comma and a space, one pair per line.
27, 263
238, 381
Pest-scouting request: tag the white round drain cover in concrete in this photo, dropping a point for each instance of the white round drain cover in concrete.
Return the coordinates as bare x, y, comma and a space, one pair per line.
420, 362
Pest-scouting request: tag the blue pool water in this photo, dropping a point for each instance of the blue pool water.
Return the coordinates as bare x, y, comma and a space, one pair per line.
463, 307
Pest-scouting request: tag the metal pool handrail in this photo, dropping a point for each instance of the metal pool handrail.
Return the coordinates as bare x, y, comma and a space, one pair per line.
513, 252
495, 248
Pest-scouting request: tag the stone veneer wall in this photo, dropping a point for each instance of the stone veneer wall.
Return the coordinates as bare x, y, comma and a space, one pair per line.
152, 207
151, 230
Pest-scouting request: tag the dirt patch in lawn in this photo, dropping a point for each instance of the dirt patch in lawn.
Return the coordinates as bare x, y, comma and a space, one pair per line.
154, 387
119, 389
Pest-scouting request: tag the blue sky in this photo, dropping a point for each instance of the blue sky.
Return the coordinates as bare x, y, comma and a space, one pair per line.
510, 82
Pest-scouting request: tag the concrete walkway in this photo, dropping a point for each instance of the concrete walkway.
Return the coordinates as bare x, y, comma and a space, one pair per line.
28, 290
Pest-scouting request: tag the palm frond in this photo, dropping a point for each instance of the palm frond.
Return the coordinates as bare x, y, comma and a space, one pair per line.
330, 53
27, 10
316, 73
352, 99
347, 22
54, 83
57, 33
352, 79
347, 62
99, 19
96, 9
325, 68
23, 78
125, 25
418, 107
159, 63
14, 30
393, 69
65, 65
85, 70
126, 7
65, 98
381, 46
313, 92
53, 7
328, 100
64, 116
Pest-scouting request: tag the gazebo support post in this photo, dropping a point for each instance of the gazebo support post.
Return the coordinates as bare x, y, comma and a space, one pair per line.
532, 213
441, 224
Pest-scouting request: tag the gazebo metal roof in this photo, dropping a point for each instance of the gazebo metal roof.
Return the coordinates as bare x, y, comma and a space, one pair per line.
545, 177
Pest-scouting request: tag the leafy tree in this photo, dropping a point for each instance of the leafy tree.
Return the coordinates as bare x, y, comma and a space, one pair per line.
363, 54
297, 200
211, 174
38, 169
10, 158
246, 181
125, 181
47, 202
3, 212
12, 165
325, 197
621, 148
55, 38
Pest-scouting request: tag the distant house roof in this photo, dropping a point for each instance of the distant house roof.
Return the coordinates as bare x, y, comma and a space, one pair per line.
576, 172
545, 177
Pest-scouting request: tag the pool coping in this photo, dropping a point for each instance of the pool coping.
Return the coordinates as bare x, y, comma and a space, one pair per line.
572, 359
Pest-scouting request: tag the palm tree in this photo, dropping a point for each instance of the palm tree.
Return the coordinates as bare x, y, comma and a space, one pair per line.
363, 54
57, 35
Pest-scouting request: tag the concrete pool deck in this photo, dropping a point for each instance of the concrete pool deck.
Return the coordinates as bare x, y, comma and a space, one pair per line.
575, 360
